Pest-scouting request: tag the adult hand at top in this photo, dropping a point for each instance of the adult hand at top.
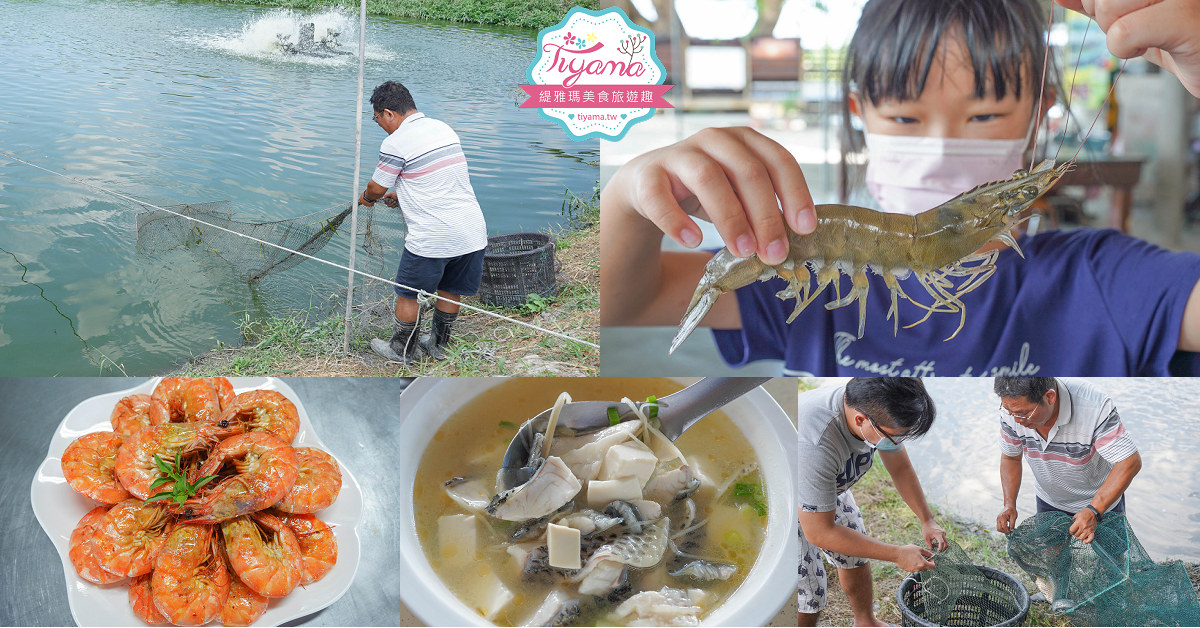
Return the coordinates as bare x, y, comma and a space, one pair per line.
1165, 32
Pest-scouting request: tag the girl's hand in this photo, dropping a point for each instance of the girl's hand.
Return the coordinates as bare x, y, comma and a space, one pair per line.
1165, 32
736, 178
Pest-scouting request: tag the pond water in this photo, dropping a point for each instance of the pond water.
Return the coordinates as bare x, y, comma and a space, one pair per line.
958, 461
186, 102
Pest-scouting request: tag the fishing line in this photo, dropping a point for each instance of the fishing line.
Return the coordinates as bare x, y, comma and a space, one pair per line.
421, 293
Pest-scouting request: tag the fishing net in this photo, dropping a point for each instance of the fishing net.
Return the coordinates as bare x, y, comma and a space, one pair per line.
957, 592
210, 229
1109, 582
220, 238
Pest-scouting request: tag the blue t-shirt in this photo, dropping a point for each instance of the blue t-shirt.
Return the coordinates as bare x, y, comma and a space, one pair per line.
1082, 303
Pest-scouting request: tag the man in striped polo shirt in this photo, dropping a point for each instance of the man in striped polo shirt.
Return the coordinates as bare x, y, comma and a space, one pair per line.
422, 159
1080, 454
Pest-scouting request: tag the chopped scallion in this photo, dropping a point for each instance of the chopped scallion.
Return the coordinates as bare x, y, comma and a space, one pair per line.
614, 417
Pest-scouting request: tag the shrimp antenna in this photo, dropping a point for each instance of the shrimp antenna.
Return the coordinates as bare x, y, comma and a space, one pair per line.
1071, 89
1041, 89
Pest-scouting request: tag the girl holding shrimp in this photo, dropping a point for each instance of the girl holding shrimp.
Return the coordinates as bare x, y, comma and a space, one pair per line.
948, 93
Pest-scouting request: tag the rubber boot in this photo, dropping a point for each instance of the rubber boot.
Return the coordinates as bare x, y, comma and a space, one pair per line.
403, 347
435, 343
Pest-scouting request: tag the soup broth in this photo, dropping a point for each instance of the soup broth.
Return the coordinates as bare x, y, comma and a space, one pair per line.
474, 554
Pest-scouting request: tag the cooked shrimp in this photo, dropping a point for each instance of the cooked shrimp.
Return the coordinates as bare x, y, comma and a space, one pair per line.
135, 464
264, 553
141, 600
190, 583
89, 464
318, 545
186, 399
224, 390
265, 411
133, 414
316, 486
266, 468
83, 554
243, 606
130, 536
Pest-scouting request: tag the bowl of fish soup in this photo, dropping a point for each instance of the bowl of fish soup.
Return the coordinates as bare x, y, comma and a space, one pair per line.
434, 448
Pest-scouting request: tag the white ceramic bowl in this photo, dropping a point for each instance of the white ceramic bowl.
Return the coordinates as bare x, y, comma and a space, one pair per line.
58, 509
428, 402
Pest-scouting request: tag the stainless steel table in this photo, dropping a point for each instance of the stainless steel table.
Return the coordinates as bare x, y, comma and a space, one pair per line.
350, 416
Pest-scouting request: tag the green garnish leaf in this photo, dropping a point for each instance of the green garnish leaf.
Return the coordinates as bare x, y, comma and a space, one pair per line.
614, 417
181, 489
652, 408
751, 493
508, 425
204, 480
159, 482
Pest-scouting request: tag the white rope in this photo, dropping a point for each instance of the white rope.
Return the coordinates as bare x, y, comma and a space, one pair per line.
362, 39
420, 293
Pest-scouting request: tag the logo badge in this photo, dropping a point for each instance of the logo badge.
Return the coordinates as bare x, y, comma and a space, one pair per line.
596, 73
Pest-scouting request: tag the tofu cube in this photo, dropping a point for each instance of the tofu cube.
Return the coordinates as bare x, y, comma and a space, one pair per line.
629, 460
601, 492
456, 537
563, 545
491, 596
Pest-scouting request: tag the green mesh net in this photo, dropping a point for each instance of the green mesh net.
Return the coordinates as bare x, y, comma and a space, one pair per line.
1109, 582
220, 238
957, 592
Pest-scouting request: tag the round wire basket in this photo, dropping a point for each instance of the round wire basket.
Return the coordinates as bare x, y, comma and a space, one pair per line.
516, 265
995, 599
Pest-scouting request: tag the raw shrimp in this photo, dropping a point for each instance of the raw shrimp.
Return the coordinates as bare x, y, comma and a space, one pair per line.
316, 486
142, 601
186, 399
190, 583
130, 536
265, 411
89, 465
243, 605
135, 464
318, 545
133, 414
936, 245
83, 555
266, 469
264, 553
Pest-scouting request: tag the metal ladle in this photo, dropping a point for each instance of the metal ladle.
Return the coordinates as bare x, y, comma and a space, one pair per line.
677, 412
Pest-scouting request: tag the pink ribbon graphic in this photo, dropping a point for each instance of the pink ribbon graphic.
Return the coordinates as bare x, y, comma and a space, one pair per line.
596, 97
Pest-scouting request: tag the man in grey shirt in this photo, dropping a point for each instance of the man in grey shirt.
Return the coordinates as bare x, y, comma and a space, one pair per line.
840, 430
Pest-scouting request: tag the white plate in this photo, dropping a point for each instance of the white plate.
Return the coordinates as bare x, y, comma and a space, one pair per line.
58, 508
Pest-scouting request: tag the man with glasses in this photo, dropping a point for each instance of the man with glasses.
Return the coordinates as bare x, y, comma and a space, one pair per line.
443, 251
1080, 454
840, 429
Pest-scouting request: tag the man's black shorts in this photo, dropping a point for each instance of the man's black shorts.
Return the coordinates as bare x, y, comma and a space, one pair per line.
456, 275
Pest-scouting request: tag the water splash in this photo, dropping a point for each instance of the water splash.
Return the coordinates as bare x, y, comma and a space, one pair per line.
326, 38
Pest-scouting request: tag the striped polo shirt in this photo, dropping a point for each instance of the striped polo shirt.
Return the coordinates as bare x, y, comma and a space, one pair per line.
1083, 445
425, 163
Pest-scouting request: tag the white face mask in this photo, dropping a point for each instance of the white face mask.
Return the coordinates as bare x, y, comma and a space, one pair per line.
908, 175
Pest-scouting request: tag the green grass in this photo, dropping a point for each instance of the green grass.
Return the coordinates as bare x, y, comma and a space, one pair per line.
309, 342
533, 14
270, 345
889, 519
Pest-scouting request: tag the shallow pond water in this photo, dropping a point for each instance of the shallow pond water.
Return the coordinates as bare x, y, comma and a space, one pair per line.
186, 102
